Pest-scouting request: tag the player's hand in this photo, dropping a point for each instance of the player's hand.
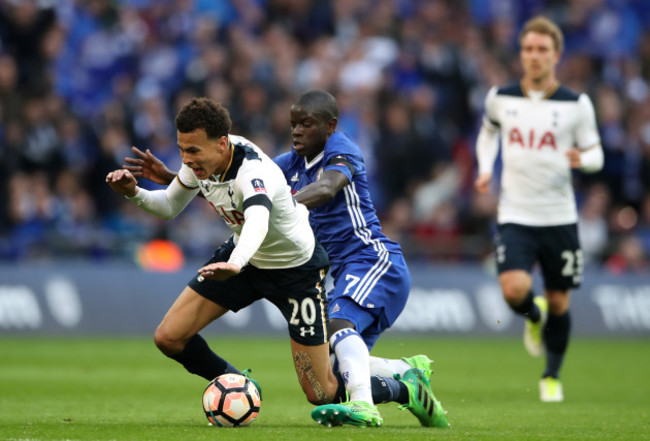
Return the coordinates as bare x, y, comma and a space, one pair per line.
122, 182
148, 166
574, 158
219, 271
482, 183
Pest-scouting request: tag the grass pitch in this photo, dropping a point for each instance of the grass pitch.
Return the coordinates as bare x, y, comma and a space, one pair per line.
124, 389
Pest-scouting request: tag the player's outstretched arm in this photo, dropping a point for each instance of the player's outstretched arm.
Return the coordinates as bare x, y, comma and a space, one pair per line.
147, 165
323, 190
122, 182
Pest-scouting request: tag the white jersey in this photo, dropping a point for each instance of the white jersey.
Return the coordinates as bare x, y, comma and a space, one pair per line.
252, 178
536, 133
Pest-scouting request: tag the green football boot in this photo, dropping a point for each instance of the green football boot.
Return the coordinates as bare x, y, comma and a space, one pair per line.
355, 413
247, 373
420, 361
550, 390
422, 402
533, 330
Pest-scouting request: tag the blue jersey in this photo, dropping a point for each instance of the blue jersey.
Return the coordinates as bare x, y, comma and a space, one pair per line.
347, 226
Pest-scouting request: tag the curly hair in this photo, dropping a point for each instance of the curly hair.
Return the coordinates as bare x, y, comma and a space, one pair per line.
203, 113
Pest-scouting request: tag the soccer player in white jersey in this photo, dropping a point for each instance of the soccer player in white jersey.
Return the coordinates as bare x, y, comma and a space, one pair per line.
546, 130
329, 177
273, 242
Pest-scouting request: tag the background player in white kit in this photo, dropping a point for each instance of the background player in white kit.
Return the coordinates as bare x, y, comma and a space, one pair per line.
546, 130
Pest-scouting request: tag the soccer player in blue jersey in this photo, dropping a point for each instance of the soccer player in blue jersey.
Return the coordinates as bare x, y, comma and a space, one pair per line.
326, 172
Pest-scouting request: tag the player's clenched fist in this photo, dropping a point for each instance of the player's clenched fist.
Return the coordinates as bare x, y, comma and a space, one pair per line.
482, 183
122, 182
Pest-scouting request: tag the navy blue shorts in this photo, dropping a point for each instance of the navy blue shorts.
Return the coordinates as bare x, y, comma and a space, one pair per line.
297, 292
556, 248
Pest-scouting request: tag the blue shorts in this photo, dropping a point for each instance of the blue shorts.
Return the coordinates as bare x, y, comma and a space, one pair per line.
370, 292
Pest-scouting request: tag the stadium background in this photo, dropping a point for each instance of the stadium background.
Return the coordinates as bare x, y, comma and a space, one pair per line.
82, 81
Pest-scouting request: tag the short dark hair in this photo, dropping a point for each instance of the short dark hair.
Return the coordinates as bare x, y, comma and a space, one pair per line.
203, 113
544, 26
320, 103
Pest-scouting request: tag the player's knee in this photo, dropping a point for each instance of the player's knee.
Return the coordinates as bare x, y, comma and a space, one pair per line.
515, 287
558, 302
510, 298
167, 344
513, 294
335, 325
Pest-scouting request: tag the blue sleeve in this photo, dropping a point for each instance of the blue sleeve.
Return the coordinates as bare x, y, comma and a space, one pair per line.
343, 155
283, 161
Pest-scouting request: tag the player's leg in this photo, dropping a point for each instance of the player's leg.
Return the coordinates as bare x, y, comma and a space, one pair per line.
177, 335
314, 372
351, 354
299, 295
200, 303
387, 367
516, 251
374, 291
557, 330
516, 286
562, 266
391, 293
367, 298
556, 341
411, 390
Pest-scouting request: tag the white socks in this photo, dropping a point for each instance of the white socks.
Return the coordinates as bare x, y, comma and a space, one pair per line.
385, 367
353, 358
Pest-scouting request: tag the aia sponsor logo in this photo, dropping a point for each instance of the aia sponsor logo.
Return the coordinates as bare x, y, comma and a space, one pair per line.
233, 217
531, 140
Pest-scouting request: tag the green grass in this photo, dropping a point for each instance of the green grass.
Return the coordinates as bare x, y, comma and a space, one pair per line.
124, 389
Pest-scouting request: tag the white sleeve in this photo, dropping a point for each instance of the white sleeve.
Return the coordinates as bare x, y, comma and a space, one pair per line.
587, 137
487, 143
167, 203
253, 232
592, 160
256, 183
586, 134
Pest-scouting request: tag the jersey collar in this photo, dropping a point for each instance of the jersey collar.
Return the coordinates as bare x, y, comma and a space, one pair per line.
232, 156
316, 160
547, 93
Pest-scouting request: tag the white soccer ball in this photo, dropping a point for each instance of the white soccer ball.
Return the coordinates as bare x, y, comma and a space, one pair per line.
231, 400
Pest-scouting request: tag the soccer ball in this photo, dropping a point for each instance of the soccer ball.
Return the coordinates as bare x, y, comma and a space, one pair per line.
231, 400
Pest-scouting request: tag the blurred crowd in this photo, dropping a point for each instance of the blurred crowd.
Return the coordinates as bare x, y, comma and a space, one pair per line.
81, 81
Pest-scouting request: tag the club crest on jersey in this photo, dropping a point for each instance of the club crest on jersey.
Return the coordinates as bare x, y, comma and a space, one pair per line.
258, 186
